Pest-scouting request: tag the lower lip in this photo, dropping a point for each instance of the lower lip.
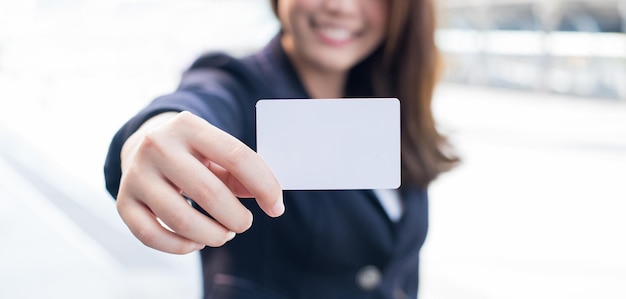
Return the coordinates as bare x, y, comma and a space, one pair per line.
331, 41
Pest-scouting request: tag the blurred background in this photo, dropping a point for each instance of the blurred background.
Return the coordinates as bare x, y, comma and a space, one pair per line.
534, 97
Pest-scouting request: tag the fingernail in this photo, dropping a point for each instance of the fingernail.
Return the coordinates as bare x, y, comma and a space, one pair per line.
200, 246
230, 236
278, 209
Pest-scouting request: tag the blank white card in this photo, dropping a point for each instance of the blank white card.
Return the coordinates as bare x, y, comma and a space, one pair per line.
330, 144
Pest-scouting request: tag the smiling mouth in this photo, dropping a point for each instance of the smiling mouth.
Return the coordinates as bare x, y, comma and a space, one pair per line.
338, 34
333, 34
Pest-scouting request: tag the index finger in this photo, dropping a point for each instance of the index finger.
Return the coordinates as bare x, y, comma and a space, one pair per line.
236, 157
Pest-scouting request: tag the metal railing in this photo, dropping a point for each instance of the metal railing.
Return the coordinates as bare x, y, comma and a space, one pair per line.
571, 47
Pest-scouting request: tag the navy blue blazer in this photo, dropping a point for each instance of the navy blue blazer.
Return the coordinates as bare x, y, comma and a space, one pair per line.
328, 244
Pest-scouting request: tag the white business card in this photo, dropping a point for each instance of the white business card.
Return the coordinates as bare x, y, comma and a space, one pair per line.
331, 144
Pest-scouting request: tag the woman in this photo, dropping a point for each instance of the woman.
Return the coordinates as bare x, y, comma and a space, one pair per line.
198, 143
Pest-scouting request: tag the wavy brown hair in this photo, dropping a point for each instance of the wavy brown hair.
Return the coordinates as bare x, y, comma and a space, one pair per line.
407, 66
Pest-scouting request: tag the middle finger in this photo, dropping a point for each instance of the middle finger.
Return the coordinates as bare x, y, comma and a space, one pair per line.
207, 190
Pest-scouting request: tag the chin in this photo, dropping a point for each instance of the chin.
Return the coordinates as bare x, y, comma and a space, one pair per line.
336, 62
332, 65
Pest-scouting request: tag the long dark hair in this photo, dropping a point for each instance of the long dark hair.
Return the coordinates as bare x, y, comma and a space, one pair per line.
407, 67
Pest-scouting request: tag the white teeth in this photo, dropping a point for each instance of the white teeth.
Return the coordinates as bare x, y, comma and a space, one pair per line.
336, 33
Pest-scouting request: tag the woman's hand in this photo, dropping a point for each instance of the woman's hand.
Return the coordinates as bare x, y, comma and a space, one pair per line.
179, 153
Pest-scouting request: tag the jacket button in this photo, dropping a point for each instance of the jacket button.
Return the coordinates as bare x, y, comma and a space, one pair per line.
369, 278
400, 294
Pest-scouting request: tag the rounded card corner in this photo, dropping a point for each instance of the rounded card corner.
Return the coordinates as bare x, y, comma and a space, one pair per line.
259, 102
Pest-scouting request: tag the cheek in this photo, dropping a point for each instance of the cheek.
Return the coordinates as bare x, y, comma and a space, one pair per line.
291, 12
377, 15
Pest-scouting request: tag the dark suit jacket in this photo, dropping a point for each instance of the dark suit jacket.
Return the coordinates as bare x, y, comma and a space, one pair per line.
328, 244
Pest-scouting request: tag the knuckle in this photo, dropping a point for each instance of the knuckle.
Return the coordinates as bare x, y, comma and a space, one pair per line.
269, 194
151, 141
184, 116
124, 205
185, 119
120, 203
179, 222
237, 155
155, 146
214, 200
208, 195
131, 177
211, 194
150, 148
146, 235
